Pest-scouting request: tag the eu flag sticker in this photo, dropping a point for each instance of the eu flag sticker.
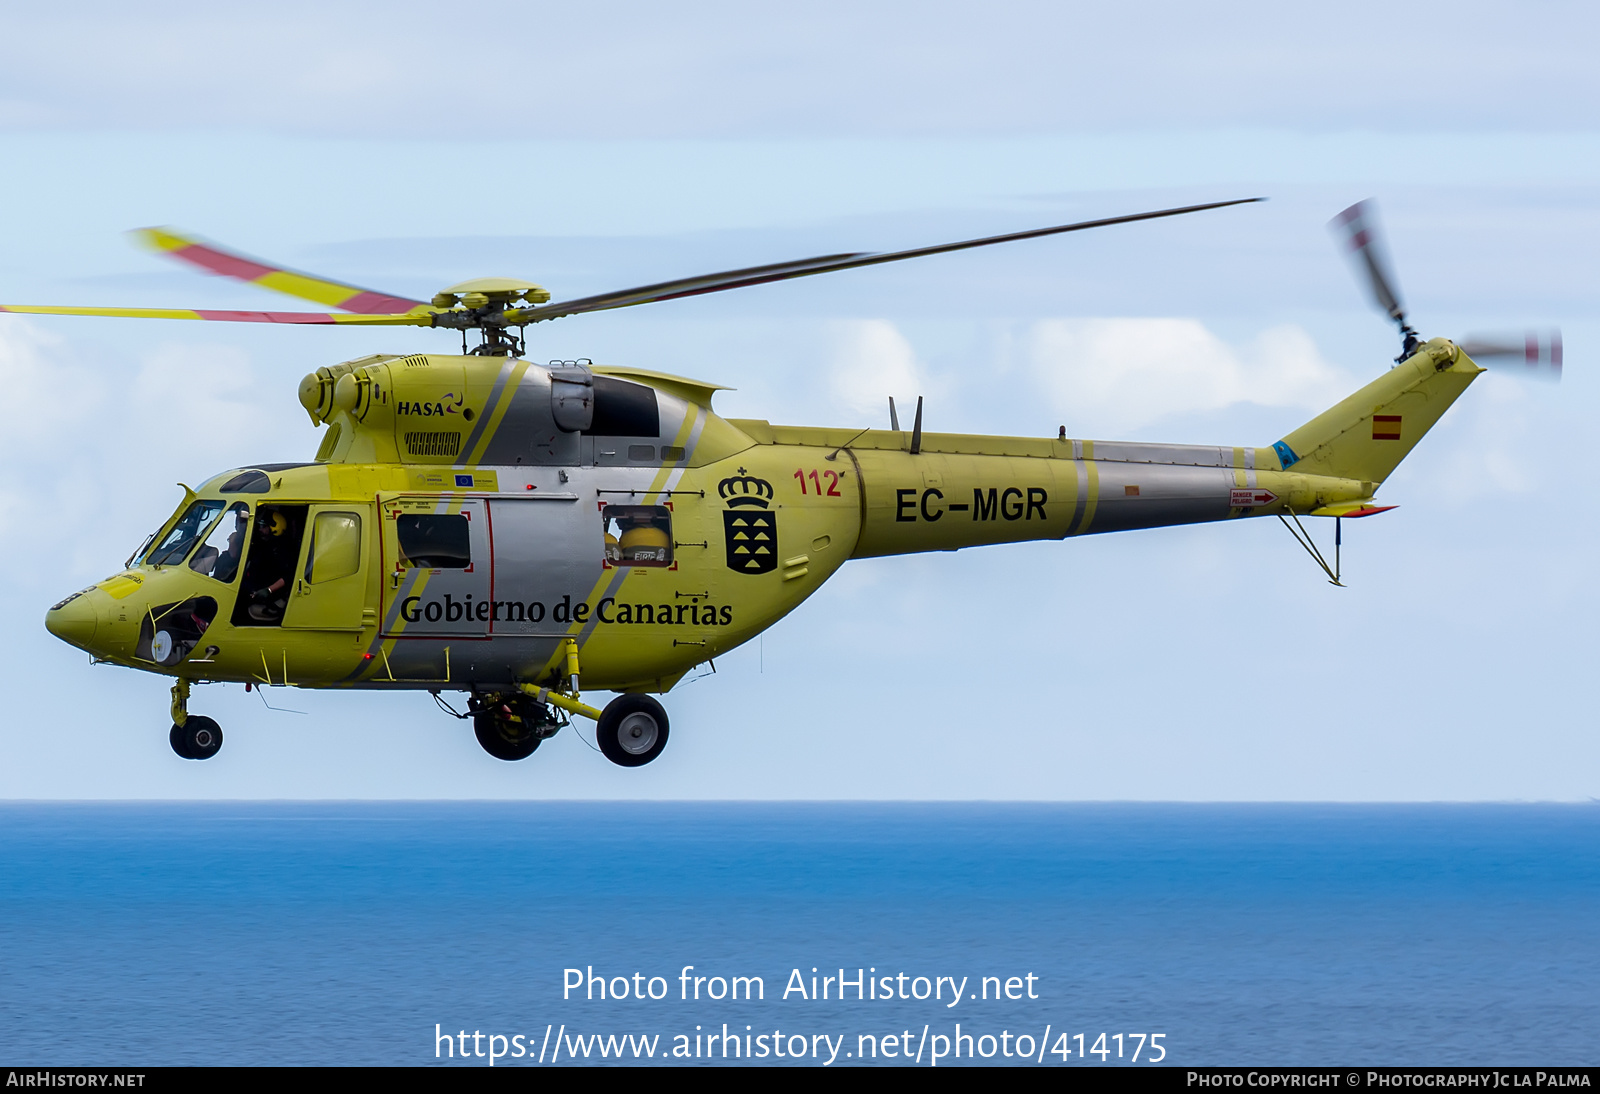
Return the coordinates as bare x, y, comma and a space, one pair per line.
463, 480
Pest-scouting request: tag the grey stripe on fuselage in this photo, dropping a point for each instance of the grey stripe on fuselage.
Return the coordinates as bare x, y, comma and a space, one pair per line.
488, 408
673, 478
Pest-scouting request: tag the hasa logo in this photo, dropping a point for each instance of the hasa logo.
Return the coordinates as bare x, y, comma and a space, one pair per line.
752, 528
450, 404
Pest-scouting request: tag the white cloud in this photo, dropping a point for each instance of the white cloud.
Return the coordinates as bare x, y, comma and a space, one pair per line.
1111, 376
93, 454
40, 384
872, 360
718, 68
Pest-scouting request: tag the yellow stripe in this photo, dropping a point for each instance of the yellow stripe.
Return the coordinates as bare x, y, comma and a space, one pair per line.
307, 288
126, 313
498, 413
656, 486
409, 319
1094, 493
159, 240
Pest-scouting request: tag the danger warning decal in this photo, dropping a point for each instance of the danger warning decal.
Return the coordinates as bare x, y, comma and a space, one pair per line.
1249, 499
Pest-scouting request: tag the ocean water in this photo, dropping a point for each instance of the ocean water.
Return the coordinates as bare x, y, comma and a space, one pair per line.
344, 933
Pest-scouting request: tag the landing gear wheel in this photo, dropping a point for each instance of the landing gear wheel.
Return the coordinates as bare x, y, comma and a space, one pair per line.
632, 730
199, 738
503, 738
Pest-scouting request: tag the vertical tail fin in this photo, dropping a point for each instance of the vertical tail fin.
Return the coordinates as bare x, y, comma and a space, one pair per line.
1367, 435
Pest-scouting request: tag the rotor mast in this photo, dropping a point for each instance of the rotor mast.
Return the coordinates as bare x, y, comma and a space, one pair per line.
480, 305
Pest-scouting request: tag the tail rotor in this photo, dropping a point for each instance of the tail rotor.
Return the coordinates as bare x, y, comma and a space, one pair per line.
1535, 354
1362, 240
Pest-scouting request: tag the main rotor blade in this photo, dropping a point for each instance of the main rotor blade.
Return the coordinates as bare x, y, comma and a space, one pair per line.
1536, 354
302, 317
1357, 229
213, 259
783, 271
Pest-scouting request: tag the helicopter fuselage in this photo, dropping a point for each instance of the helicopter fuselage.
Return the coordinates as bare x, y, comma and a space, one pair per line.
467, 516
484, 524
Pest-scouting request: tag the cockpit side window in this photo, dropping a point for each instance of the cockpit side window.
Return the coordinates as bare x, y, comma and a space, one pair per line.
175, 545
218, 557
335, 547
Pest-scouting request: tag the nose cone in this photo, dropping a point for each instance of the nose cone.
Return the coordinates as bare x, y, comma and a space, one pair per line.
73, 620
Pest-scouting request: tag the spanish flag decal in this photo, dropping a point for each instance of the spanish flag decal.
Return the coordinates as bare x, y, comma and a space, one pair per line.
1386, 427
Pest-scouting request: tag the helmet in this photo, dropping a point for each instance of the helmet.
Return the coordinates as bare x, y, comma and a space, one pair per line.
272, 522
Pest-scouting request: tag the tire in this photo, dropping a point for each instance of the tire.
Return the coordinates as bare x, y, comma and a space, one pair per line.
632, 730
200, 736
175, 739
505, 740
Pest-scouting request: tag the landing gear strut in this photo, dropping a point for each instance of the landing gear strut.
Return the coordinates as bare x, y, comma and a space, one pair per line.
193, 736
631, 730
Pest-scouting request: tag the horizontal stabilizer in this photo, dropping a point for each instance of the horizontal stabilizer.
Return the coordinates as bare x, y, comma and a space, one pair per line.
1363, 508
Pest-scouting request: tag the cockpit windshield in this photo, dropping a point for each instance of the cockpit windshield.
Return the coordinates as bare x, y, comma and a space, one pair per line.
138, 552
219, 556
176, 544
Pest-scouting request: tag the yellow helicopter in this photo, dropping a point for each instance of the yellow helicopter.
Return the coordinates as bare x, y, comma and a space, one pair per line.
481, 523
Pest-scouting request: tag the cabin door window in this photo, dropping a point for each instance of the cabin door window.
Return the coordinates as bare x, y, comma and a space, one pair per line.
331, 588
436, 566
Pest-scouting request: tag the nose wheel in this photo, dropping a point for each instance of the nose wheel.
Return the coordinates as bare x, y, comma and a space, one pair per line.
193, 736
199, 738
632, 730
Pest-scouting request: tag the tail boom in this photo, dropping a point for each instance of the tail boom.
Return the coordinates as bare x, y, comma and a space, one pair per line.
956, 490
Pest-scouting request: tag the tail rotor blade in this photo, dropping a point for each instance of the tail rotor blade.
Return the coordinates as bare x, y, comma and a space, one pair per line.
1535, 354
1358, 233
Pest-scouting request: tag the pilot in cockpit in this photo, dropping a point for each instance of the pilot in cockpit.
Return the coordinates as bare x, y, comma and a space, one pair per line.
218, 557
271, 564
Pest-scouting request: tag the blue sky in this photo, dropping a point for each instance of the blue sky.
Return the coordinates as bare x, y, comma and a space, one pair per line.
598, 152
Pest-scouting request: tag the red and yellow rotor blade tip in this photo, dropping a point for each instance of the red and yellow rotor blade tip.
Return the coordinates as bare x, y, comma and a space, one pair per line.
218, 316
321, 290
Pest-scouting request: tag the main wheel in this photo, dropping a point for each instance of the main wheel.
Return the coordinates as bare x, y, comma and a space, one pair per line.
198, 738
504, 739
632, 730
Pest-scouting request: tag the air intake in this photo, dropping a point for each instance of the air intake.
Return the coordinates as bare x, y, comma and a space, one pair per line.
433, 444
